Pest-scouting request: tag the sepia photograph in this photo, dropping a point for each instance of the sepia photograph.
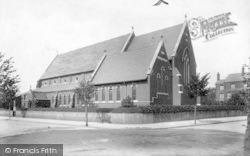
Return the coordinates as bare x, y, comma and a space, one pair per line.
124, 77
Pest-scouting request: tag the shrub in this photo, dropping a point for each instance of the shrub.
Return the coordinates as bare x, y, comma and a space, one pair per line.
157, 109
127, 110
104, 110
153, 109
127, 102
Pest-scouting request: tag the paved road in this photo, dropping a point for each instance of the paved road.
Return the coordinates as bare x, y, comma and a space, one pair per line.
13, 127
214, 139
237, 126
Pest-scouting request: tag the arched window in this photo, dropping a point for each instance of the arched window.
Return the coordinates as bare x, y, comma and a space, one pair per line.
162, 77
134, 92
110, 93
76, 100
52, 100
158, 81
69, 100
103, 94
60, 100
118, 94
96, 94
64, 99
186, 66
166, 83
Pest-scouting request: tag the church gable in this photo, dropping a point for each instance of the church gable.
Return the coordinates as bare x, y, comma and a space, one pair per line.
184, 58
161, 79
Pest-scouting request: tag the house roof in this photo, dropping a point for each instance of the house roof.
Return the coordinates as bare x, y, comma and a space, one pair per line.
170, 36
220, 82
234, 77
83, 59
127, 66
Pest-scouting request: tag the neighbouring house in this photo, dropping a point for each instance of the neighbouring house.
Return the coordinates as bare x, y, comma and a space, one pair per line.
233, 84
151, 68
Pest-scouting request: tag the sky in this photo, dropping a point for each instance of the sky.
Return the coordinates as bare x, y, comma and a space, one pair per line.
33, 32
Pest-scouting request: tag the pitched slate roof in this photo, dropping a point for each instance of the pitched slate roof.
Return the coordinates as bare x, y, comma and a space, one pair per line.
234, 77
83, 59
87, 58
170, 36
127, 66
54, 88
40, 96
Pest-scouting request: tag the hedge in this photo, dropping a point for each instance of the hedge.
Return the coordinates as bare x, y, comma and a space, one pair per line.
155, 109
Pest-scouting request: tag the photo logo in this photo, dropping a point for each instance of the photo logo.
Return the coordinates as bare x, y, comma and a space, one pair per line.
212, 27
7, 150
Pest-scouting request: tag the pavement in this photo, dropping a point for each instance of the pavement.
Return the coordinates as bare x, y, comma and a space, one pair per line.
219, 136
174, 124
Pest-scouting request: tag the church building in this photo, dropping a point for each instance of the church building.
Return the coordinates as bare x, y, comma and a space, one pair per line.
152, 68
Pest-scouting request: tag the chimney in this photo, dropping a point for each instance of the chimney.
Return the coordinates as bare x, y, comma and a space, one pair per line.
218, 76
243, 70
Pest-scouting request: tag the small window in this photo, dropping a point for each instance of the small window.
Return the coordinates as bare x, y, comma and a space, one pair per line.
166, 77
65, 80
180, 88
87, 77
45, 83
221, 87
232, 86
118, 94
103, 94
162, 68
76, 78
110, 93
158, 81
134, 92
54, 81
221, 96
96, 94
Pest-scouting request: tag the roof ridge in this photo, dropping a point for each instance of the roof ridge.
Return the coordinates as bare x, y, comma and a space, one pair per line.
94, 44
159, 30
133, 51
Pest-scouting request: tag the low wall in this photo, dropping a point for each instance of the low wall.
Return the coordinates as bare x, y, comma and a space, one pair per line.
125, 118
